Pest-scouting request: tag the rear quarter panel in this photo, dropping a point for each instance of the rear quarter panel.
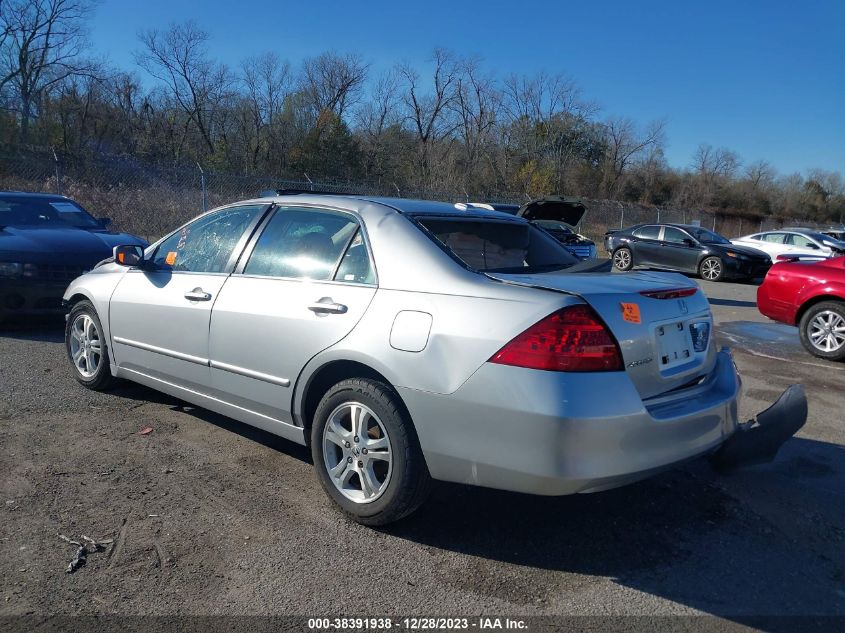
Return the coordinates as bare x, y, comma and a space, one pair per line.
465, 332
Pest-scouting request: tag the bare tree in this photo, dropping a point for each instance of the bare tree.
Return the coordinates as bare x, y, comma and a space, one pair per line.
427, 112
266, 80
199, 85
476, 104
624, 144
333, 83
41, 45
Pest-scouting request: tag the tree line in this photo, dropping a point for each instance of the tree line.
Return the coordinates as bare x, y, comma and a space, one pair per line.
447, 124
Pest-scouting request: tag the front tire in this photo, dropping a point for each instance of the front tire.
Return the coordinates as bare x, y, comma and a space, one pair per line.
712, 269
87, 349
822, 330
366, 453
623, 259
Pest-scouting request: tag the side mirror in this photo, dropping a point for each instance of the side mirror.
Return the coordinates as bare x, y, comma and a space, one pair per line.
689, 242
104, 222
128, 255
815, 247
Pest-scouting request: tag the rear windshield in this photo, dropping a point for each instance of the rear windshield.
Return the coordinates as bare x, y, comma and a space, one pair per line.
494, 246
44, 212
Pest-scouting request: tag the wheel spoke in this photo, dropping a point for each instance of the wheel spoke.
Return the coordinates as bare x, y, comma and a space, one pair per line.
338, 471
334, 438
377, 445
369, 484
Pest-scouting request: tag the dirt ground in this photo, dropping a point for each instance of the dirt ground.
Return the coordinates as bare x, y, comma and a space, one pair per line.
209, 516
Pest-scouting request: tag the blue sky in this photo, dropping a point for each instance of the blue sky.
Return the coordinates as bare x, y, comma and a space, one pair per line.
765, 79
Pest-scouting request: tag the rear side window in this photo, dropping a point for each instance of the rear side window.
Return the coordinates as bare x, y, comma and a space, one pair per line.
774, 238
647, 232
490, 245
309, 244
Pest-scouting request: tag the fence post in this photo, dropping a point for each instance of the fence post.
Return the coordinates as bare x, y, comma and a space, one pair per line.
202, 184
58, 172
398, 193
621, 216
658, 215
310, 182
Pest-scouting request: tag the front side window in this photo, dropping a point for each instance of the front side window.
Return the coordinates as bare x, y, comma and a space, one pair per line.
647, 232
708, 237
206, 244
308, 244
674, 236
794, 239
494, 246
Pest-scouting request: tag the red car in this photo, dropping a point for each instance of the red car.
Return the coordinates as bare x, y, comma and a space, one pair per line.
810, 295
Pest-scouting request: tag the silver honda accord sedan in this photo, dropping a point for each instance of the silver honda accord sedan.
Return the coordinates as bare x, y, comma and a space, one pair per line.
407, 340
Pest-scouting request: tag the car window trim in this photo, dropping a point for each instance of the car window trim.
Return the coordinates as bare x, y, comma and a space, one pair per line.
275, 208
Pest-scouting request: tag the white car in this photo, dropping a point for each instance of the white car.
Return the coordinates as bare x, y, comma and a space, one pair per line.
793, 242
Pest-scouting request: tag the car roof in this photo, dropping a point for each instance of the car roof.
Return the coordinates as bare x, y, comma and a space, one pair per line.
406, 206
32, 194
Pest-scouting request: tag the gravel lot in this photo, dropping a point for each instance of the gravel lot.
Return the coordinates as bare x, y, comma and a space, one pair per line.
212, 517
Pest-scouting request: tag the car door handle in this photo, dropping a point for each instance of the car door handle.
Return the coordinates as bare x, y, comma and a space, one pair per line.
327, 306
198, 294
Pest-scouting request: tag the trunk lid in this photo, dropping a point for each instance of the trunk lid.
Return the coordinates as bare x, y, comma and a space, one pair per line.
654, 333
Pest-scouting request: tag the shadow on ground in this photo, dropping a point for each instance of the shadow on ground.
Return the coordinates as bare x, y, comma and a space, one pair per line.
684, 536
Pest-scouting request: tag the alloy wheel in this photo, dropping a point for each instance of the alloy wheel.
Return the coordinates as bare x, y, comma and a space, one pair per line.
711, 269
827, 331
622, 258
356, 452
86, 347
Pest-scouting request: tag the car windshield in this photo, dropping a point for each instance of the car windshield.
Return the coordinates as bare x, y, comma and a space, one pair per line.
708, 237
825, 239
495, 246
18, 211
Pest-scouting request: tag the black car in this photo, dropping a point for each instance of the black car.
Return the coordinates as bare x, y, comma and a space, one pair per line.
45, 242
558, 215
684, 248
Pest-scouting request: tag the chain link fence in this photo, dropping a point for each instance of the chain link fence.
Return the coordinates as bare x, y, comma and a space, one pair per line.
151, 201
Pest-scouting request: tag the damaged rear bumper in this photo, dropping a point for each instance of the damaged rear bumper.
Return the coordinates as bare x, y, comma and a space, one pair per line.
758, 441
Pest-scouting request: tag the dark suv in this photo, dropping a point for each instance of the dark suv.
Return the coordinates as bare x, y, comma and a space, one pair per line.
46, 241
684, 248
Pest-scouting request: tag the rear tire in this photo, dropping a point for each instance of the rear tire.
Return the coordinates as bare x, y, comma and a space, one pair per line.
712, 269
367, 454
87, 349
822, 330
623, 259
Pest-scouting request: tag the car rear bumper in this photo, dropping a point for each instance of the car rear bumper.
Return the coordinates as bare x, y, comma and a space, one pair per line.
554, 434
29, 298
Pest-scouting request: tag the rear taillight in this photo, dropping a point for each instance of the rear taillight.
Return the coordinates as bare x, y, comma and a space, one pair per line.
571, 339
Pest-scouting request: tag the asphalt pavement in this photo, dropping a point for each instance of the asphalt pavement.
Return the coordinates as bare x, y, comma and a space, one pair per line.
209, 516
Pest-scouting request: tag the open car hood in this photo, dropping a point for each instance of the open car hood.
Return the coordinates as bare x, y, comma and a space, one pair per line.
561, 209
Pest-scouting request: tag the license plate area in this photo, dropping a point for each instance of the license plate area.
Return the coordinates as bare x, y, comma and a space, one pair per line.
674, 344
